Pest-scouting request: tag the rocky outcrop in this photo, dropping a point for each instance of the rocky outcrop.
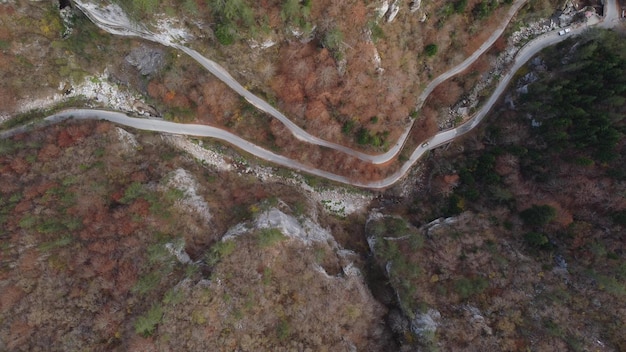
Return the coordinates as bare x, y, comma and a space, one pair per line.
425, 325
304, 230
394, 9
415, 5
147, 60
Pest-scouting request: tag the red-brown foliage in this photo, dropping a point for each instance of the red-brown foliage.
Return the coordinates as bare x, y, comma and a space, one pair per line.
19, 334
49, 151
446, 94
102, 247
9, 296
138, 343
28, 263
102, 263
22, 206
126, 277
140, 207
19, 165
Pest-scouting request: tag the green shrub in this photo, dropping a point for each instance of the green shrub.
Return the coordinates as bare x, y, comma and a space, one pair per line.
537, 240
377, 31
538, 215
219, 251
147, 283
333, 39
173, 296
132, 192
460, 6
225, 34
147, 323
431, 50
290, 10
283, 330
27, 222
269, 237
484, 9
455, 205
61, 242
467, 288
347, 127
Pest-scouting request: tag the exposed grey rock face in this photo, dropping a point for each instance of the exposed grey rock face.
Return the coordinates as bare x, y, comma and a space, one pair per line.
415, 5
146, 60
425, 325
304, 229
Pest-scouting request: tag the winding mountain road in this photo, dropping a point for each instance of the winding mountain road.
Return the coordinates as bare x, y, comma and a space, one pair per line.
121, 28
113, 20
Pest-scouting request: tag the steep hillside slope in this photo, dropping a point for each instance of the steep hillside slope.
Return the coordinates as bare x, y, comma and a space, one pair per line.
111, 241
529, 250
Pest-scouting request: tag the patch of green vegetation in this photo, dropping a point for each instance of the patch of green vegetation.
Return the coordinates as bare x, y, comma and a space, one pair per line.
283, 330
460, 6
612, 285
174, 194
553, 328
134, 191
537, 240
468, 287
173, 296
267, 276
58, 243
225, 34
484, 9
431, 50
232, 18
366, 137
190, 6
376, 30
219, 251
147, 283
157, 253
81, 41
538, 215
269, 237
27, 222
333, 40
297, 13
581, 104
146, 324
393, 244
347, 127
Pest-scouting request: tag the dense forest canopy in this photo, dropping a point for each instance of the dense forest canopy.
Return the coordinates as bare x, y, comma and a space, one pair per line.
580, 100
